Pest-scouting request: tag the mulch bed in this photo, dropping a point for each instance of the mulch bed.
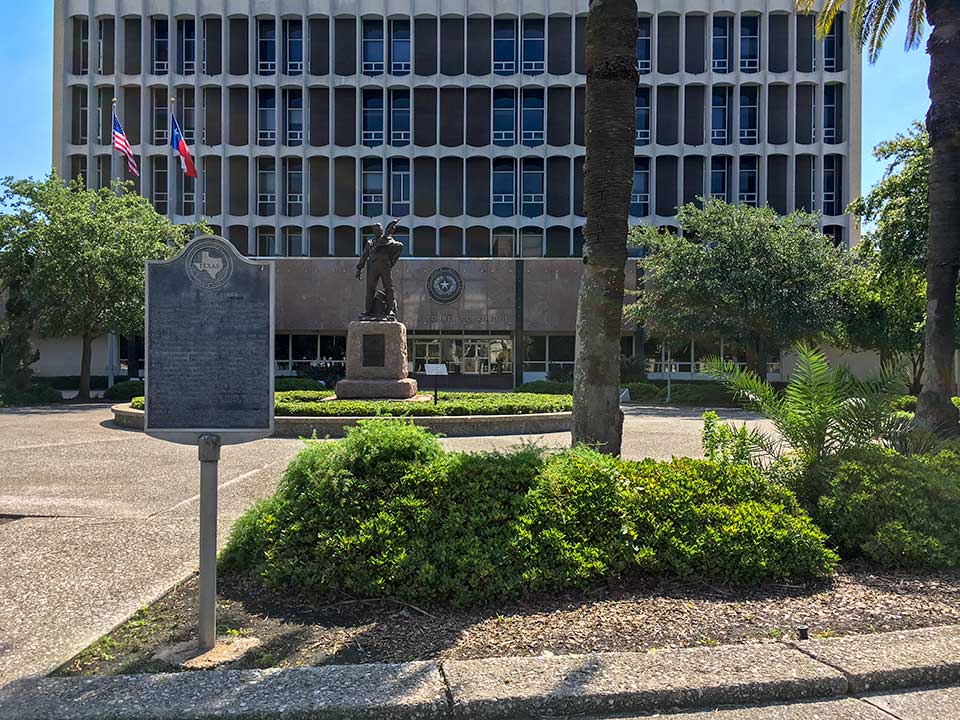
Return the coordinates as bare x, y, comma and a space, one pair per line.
299, 629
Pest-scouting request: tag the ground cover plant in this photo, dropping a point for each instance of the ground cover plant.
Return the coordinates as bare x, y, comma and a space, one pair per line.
124, 391
387, 512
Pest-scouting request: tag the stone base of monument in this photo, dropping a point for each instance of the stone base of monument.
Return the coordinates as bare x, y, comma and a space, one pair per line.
376, 389
376, 362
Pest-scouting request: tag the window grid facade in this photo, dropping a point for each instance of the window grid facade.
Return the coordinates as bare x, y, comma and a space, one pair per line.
477, 122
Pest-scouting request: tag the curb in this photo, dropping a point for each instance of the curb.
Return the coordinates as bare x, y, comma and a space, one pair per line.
500, 688
449, 425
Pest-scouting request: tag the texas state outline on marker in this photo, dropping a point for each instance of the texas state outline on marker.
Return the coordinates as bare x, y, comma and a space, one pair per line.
210, 265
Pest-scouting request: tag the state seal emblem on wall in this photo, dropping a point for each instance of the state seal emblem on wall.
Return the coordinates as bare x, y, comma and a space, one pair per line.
445, 285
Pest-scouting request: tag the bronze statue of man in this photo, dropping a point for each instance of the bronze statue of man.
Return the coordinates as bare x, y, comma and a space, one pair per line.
379, 256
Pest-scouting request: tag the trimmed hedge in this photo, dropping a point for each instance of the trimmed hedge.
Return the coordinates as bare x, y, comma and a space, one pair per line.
898, 511
37, 394
908, 403
124, 391
545, 387
640, 392
311, 403
285, 384
387, 513
450, 404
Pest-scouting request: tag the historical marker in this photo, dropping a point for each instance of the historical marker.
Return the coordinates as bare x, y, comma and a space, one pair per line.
209, 371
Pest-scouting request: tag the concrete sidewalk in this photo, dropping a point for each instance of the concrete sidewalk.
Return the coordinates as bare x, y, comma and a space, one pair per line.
828, 678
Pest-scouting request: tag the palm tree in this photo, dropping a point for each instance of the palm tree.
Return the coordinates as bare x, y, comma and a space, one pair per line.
610, 124
870, 23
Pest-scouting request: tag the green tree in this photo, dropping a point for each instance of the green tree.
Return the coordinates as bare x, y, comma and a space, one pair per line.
886, 311
80, 255
610, 126
16, 322
743, 273
870, 23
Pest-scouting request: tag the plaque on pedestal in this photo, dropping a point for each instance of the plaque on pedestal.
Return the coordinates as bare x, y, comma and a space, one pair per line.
376, 362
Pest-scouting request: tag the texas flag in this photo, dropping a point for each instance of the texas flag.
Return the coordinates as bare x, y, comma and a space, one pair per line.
180, 145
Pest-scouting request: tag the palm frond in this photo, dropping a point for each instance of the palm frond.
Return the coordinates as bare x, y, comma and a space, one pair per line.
916, 21
880, 20
747, 386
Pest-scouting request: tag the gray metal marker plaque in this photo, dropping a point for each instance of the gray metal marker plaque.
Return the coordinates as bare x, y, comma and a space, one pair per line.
209, 349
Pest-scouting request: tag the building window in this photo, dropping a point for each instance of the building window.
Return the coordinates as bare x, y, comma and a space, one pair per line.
372, 47
833, 46
372, 191
832, 179
532, 119
531, 242
721, 44
82, 116
749, 114
293, 47
294, 184
720, 116
399, 117
266, 116
187, 46
372, 117
267, 242
749, 180
832, 100
504, 47
533, 46
835, 233
160, 185
204, 47
101, 30
532, 187
294, 116
643, 116
504, 117
640, 193
719, 172
503, 239
503, 187
644, 46
188, 114
400, 47
83, 33
400, 186
750, 43
266, 47
187, 187
161, 46
293, 242
266, 186
161, 120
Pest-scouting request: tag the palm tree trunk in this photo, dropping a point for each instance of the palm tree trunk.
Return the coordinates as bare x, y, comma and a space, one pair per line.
934, 409
610, 122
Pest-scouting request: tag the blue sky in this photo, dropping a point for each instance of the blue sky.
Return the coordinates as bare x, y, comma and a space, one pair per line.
894, 94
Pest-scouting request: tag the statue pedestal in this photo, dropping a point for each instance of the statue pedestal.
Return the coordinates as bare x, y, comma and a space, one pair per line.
376, 362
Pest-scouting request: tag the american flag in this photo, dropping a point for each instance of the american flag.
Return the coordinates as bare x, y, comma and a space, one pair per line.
121, 143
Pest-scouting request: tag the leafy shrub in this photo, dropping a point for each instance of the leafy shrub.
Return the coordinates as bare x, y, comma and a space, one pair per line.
897, 511
545, 387
285, 384
956, 402
36, 394
124, 391
633, 369
302, 396
723, 443
138, 403
640, 392
386, 512
704, 394
905, 403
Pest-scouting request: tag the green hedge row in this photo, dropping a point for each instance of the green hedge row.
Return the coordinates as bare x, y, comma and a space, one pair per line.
37, 394
124, 391
310, 403
908, 403
388, 513
707, 394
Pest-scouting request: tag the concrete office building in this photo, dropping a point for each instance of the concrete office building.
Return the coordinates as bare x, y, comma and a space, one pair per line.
312, 119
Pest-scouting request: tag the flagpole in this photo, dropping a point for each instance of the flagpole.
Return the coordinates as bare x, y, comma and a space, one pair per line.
114, 173
171, 176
